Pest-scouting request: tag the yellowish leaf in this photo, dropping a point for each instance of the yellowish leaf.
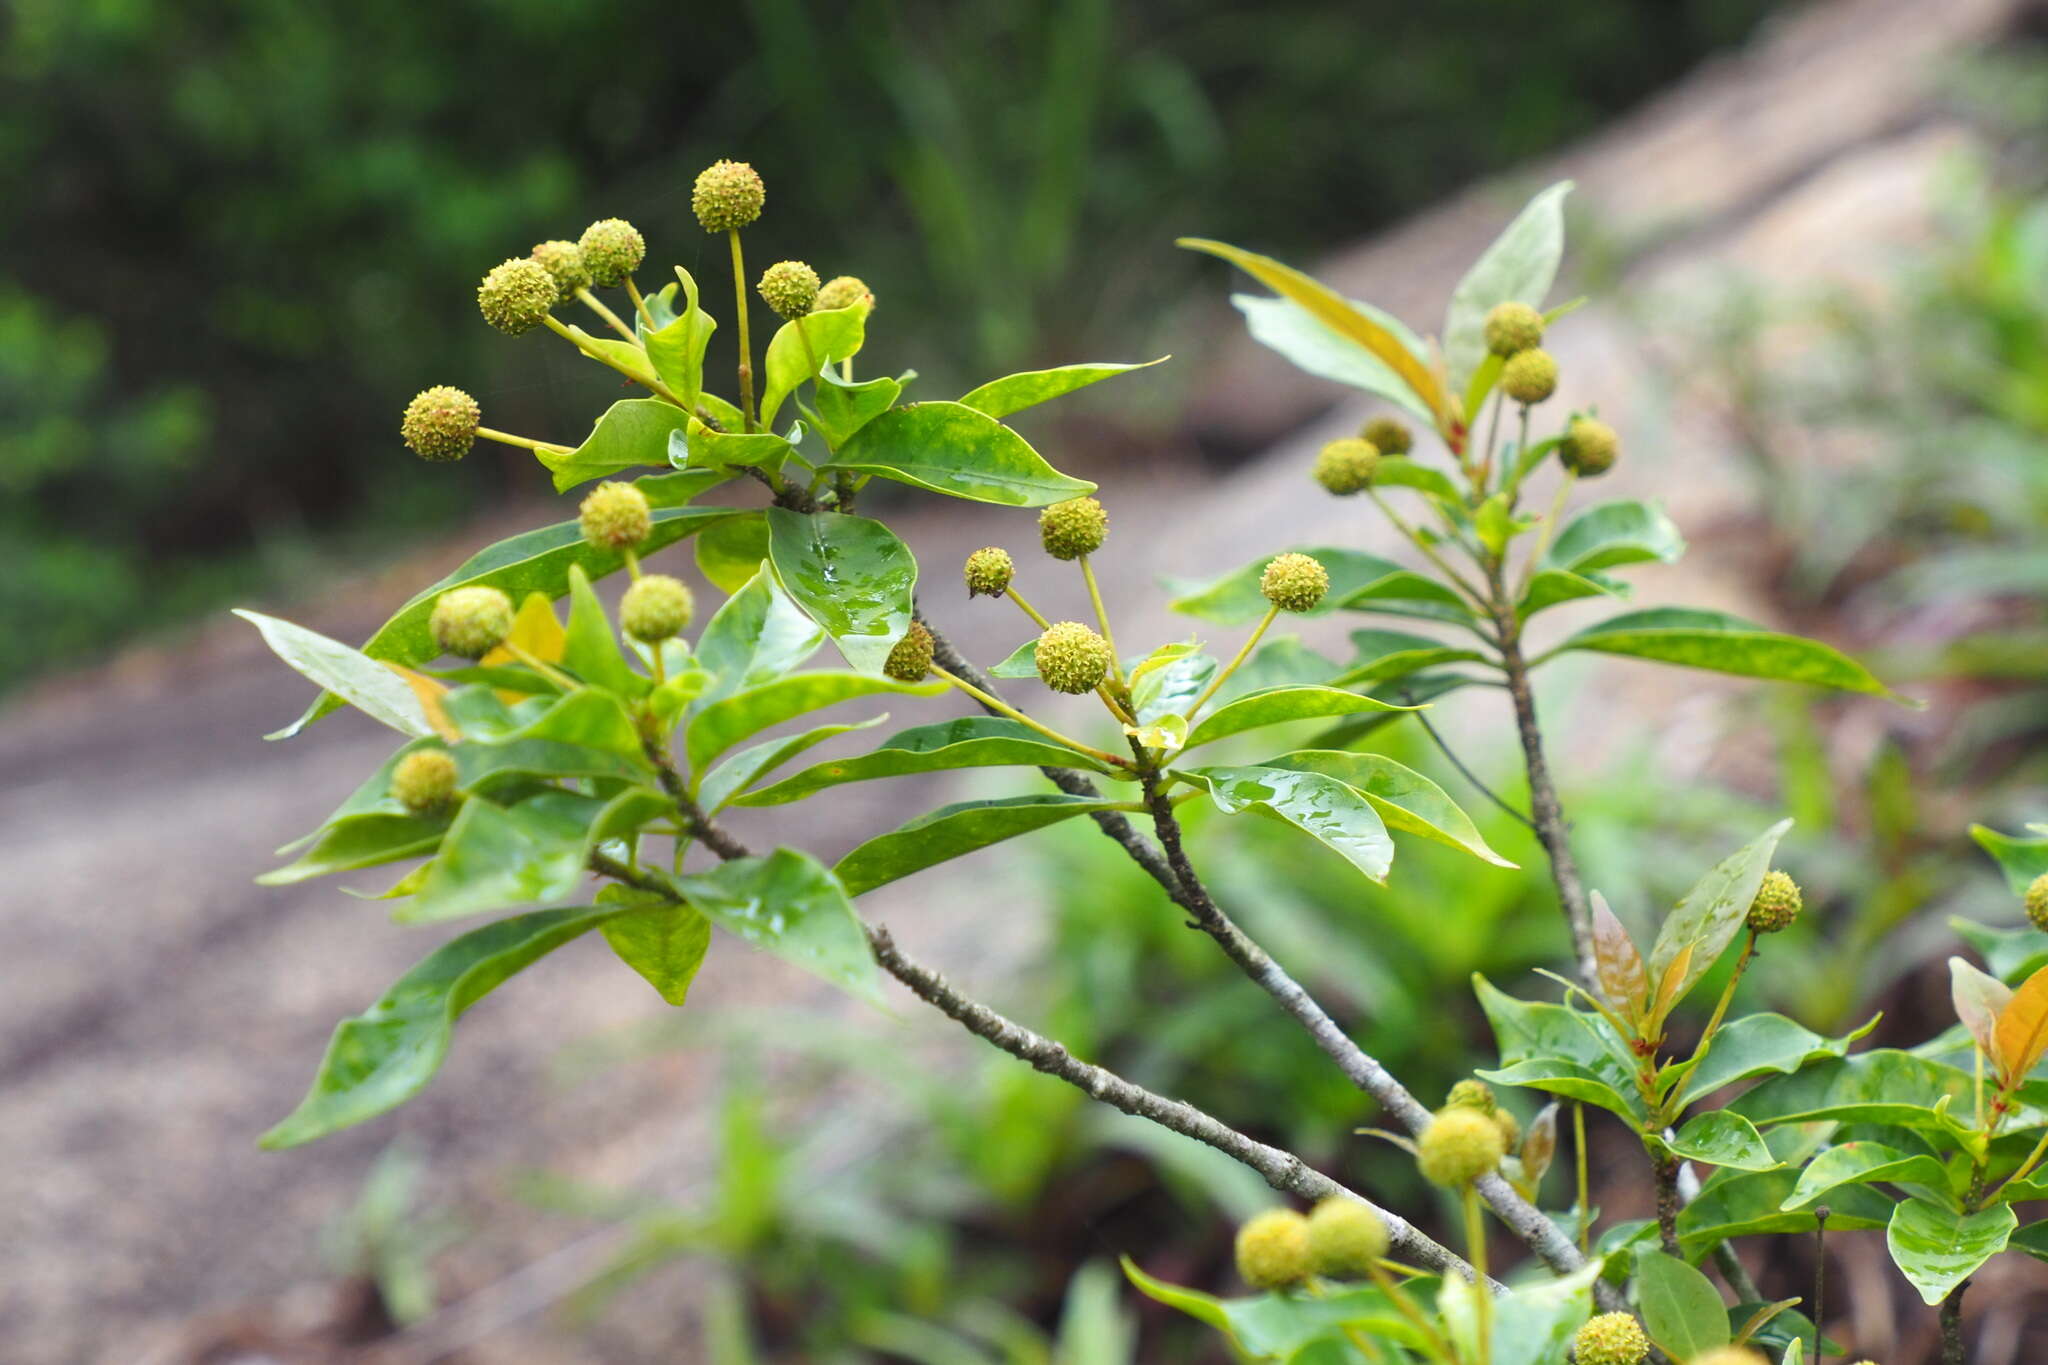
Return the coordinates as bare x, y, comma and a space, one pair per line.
534, 630
2022, 1031
1618, 963
429, 691
1673, 982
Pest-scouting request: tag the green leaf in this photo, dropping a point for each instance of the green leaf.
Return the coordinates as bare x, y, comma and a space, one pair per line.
1384, 655
383, 1057
1760, 1045
364, 683
953, 449
749, 765
1279, 705
1937, 1248
730, 553
1358, 581
588, 718
1405, 799
1864, 1163
1283, 326
1879, 1086
2021, 860
1554, 587
359, 840
723, 723
850, 575
789, 904
1495, 525
632, 433
968, 742
840, 409
1398, 471
676, 345
952, 831
1720, 643
497, 857
590, 648
2011, 954
1681, 1308
756, 636
624, 356
1609, 534
681, 486
802, 346
1744, 1204
1285, 1326
1021, 662
1560, 1050
1331, 812
1721, 1138
538, 561
663, 942
1518, 267
702, 447
1533, 1324
1014, 393
1170, 689
1708, 916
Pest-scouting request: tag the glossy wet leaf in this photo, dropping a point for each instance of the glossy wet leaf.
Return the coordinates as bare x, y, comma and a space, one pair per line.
723, 723
1863, 1163
1709, 916
1015, 392
2021, 1033
1979, 998
967, 742
1937, 1248
735, 774
1278, 706
1170, 689
1382, 656
1559, 1050
2020, 859
537, 561
755, 636
1754, 1045
1721, 643
952, 831
1519, 266
632, 434
1880, 1086
849, 574
366, 684
953, 449
1623, 980
1720, 1138
1406, 800
790, 904
663, 942
1321, 807
386, 1055
1746, 1204
675, 345
1611, 534
1358, 581
839, 409
802, 346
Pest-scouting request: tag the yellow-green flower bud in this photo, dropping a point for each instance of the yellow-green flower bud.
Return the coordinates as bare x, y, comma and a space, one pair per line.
843, 291
1510, 1128
1729, 1355
1345, 1238
1458, 1147
516, 295
989, 572
615, 516
790, 288
1472, 1094
1589, 447
612, 249
1272, 1249
1529, 376
1294, 582
1776, 905
2037, 901
424, 781
1512, 328
1346, 466
1073, 528
564, 262
440, 423
1071, 658
1611, 1339
1388, 436
911, 660
471, 622
656, 607
728, 196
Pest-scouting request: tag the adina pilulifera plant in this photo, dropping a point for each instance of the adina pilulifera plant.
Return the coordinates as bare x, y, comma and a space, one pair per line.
542, 754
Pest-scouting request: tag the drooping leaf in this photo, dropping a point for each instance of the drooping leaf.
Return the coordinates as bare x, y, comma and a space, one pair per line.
372, 688
720, 724
2020, 859
1284, 326
792, 905
850, 575
1721, 1138
1938, 1248
1358, 581
954, 830
1721, 643
1618, 962
1405, 799
1322, 807
801, 347
1864, 1163
730, 553
1279, 705
664, 942
756, 636
1518, 267
751, 764
1709, 915
1014, 393
1610, 534
350, 842
386, 1055
633, 433
1682, 1311
953, 449
1979, 1000
967, 742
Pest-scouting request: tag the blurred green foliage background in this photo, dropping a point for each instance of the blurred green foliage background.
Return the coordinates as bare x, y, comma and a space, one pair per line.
238, 230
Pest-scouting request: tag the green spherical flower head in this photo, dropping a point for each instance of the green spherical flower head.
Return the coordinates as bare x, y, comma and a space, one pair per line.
471, 622
1529, 376
1345, 1238
2037, 901
564, 261
911, 660
516, 295
1470, 1094
1510, 1128
989, 572
1071, 658
1294, 582
1458, 1147
790, 288
728, 196
1611, 1339
843, 291
656, 607
1776, 905
1346, 466
612, 249
424, 781
1388, 436
1589, 448
615, 516
1073, 528
1272, 1249
1512, 328
440, 423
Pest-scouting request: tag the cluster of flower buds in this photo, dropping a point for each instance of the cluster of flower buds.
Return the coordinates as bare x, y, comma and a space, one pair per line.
1341, 1238
1777, 904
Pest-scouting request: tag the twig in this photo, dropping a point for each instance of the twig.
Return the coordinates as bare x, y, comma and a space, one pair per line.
1459, 764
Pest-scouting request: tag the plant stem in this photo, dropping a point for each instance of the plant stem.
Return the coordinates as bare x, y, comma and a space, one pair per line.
1116, 666
506, 438
613, 320
1003, 708
559, 329
1405, 1306
542, 667
639, 304
1585, 1186
1666, 1168
1025, 607
1243, 652
739, 292
1952, 1326
1543, 537
1420, 542
1475, 1251
1422, 718
1820, 1274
